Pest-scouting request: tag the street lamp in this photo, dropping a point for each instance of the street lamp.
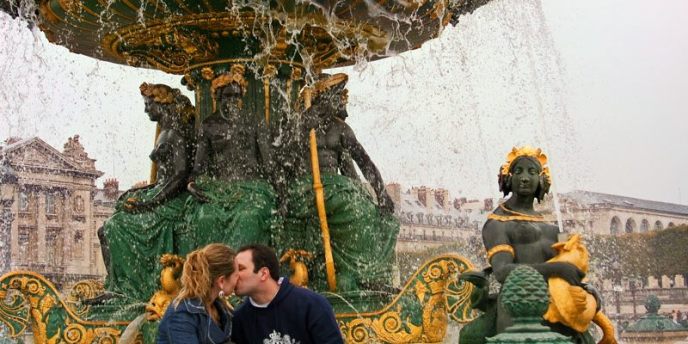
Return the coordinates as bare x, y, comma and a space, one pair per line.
618, 288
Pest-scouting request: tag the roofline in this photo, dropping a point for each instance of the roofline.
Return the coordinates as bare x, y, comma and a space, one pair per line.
76, 168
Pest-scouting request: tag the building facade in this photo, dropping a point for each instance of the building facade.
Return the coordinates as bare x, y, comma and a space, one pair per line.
51, 210
430, 218
599, 213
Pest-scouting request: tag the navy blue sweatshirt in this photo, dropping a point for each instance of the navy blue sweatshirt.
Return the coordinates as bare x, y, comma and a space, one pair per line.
295, 316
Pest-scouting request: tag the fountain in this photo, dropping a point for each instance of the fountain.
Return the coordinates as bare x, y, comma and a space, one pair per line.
261, 62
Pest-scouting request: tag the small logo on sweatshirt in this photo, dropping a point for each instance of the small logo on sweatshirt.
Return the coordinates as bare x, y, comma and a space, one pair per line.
278, 338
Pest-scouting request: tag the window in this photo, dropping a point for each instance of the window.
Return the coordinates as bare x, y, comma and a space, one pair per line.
50, 204
615, 226
54, 244
27, 238
23, 242
95, 253
78, 205
78, 251
23, 202
630, 226
659, 225
644, 226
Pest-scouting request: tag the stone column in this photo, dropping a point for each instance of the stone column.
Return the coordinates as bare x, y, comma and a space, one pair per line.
41, 222
6, 218
8, 181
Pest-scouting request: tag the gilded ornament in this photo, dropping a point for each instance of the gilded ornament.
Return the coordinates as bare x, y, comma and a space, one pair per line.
572, 305
436, 291
159, 93
325, 84
235, 74
207, 73
500, 248
299, 271
296, 73
514, 216
45, 306
526, 151
172, 268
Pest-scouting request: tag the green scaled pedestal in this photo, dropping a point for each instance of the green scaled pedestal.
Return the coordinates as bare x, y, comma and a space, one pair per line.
525, 297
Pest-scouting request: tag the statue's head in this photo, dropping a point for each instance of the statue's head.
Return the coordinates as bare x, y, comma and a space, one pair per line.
330, 91
525, 173
162, 100
228, 89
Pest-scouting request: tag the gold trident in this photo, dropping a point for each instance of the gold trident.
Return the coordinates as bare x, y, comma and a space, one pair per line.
320, 204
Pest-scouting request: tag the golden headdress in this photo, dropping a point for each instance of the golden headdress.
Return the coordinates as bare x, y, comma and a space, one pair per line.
159, 93
235, 74
329, 82
325, 83
529, 151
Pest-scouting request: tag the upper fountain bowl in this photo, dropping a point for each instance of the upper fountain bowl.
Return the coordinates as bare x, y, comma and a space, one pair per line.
178, 35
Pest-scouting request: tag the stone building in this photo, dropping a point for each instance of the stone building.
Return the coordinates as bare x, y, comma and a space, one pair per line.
599, 213
51, 209
431, 218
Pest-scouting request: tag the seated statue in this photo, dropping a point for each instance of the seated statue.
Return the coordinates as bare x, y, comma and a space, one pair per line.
362, 234
148, 221
516, 234
233, 202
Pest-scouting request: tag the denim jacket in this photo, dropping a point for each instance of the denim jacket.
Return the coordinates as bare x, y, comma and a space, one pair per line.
189, 323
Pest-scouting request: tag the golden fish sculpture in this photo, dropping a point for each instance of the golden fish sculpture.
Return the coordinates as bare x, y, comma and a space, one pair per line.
572, 305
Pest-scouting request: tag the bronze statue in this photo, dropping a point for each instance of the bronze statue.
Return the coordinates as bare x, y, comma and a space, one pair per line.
173, 146
234, 202
336, 140
516, 234
363, 234
148, 221
232, 145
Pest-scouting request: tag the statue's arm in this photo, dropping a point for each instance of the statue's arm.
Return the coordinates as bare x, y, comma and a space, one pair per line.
346, 166
500, 249
200, 165
368, 168
201, 158
176, 181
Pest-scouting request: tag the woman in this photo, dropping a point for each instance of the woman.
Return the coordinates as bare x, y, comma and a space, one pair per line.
199, 314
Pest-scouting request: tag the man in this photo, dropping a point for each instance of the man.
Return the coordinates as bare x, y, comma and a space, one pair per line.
276, 311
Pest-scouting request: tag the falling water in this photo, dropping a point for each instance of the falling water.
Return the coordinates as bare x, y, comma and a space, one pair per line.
492, 82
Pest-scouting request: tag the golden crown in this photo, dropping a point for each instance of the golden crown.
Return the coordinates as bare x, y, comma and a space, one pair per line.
235, 74
325, 84
160, 93
529, 151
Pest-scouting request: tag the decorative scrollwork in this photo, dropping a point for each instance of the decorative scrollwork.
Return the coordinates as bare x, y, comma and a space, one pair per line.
52, 320
80, 291
13, 311
431, 293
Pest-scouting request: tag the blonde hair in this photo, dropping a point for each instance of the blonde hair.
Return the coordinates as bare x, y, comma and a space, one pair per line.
201, 268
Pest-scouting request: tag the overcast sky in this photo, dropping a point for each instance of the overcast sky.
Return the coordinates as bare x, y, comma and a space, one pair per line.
600, 85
